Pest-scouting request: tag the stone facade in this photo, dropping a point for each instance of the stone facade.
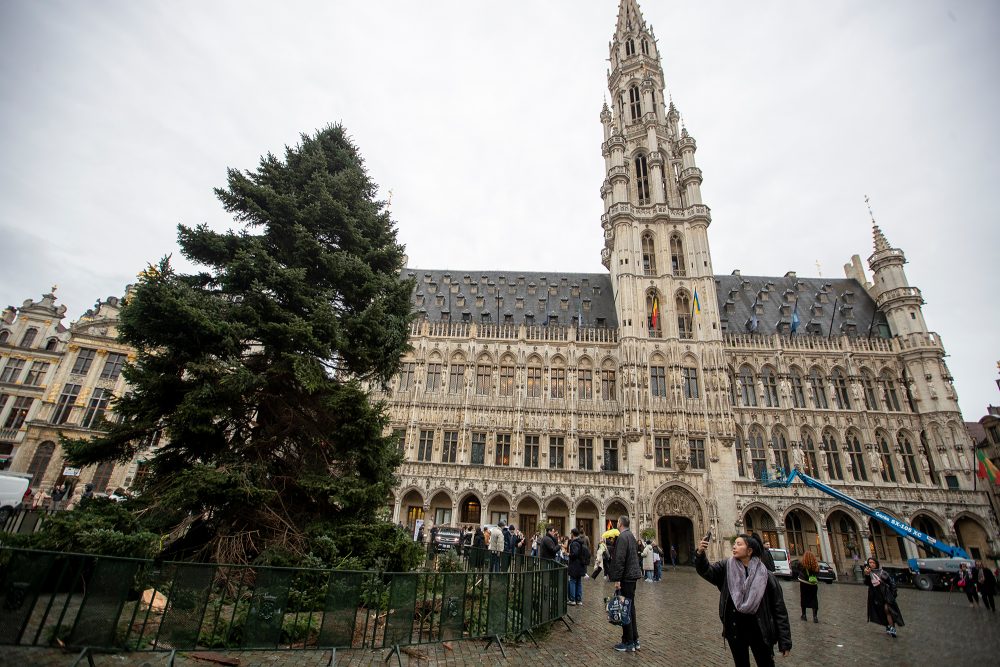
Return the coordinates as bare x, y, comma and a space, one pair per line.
527, 398
57, 380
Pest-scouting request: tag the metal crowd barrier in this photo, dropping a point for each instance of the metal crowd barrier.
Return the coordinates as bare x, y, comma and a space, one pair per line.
92, 603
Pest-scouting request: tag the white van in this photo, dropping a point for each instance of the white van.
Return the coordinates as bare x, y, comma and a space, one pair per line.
782, 568
12, 488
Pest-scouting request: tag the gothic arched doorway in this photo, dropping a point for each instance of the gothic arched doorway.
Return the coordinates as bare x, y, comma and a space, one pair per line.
679, 523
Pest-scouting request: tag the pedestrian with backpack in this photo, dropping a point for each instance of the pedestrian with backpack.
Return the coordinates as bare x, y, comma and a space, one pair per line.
625, 571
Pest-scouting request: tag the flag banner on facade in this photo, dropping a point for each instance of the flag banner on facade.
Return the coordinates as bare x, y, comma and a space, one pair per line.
795, 316
656, 312
696, 304
987, 468
751, 323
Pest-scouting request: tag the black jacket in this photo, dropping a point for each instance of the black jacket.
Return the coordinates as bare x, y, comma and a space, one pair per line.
625, 566
772, 617
548, 548
577, 566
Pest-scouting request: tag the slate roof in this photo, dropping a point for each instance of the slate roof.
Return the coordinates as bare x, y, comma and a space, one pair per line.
776, 299
547, 297
533, 297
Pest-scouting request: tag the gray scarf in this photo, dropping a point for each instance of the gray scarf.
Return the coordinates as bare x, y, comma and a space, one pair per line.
746, 590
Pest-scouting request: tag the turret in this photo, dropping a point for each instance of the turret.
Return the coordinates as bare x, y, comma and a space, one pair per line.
893, 294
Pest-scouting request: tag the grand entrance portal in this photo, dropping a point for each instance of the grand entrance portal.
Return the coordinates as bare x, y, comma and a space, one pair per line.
679, 519
677, 531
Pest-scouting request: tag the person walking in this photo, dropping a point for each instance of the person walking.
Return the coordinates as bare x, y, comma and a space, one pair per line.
673, 556
986, 581
809, 585
625, 571
585, 539
968, 582
882, 607
577, 567
603, 557
647, 561
751, 606
657, 562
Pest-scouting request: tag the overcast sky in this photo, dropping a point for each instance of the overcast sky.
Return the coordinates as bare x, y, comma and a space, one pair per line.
118, 117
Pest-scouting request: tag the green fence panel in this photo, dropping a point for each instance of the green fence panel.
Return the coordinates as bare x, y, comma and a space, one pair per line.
526, 585
22, 579
453, 602
496, 607
108, 587
343, 597
267, 608
402, 608
187, 594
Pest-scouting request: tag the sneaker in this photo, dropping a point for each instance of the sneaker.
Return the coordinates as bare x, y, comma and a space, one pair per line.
635, 646
892, 632
623, 647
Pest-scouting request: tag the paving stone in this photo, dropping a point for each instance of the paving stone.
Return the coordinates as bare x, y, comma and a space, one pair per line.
678, 626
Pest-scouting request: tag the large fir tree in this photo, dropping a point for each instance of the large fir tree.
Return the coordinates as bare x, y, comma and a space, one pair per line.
255, 369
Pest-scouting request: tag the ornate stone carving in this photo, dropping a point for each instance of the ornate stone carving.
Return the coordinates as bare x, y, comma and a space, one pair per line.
678, 502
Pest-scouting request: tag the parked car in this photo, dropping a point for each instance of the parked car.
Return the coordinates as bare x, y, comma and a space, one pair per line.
12, 488
448, 537
781, 566
826, 572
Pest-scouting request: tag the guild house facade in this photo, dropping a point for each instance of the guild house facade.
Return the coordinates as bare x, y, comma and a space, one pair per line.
657, 389
661, 390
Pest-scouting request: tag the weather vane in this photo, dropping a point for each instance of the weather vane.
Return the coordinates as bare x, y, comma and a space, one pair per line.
869, 205
819, 270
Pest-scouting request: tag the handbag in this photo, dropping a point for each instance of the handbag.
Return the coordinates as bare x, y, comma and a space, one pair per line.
619, 610
961, 583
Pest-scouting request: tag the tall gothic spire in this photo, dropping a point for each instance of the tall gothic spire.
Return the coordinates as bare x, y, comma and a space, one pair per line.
880, 241
629, 18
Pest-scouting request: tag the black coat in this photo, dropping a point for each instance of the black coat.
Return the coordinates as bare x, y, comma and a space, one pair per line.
989, 585
881, 595
772, 617
548, 547
625, 564
577, 566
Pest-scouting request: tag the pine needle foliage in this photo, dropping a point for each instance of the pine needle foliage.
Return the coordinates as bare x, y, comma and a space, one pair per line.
255, 370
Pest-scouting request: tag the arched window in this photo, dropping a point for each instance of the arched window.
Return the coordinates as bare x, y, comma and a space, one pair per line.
798, 389
629, 47
857, 454
818, 389
840, 390
770, 382
677, 255
834, 469
738, 448
809, 463
648, 255
910, 468
758, 456
889, 394
748, 387
50, 346
926, 449
40, 462
29, 337
642, 179
4, 336
654, 318
645, 46
635, 102
779, 443
732, 386
885, 453
868, 384
683, 305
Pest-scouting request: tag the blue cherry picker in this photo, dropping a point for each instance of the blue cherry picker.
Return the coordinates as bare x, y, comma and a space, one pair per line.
926, 573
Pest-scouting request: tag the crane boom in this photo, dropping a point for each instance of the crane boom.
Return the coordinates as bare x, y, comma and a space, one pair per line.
899, 527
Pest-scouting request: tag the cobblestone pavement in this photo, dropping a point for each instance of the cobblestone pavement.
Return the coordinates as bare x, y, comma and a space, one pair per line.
678, 626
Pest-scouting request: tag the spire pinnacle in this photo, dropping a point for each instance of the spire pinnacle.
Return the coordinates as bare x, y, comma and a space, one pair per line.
629, 17
880, 241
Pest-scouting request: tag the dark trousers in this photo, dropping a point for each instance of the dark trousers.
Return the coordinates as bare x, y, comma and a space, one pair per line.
630, 632
742, 646
990, 603
970, 592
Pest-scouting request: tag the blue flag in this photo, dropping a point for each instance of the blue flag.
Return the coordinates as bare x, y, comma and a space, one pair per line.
751, 323
795, 316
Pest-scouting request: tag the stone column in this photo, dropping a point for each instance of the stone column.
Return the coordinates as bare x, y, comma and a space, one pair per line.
782, 542
826, 551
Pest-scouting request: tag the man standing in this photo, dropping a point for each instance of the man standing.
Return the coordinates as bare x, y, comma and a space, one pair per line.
625, 571
496, 546
673, 555
577, 567
549, 546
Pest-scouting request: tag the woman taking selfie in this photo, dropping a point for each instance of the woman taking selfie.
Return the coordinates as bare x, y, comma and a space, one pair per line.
882, 607
751, 606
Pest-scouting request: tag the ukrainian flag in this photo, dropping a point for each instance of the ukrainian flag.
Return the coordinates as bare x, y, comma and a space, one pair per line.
696, 306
